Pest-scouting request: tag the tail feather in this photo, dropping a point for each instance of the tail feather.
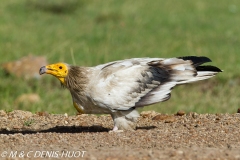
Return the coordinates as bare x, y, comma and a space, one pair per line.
197, 61
203, 72
208, 68
202, 75
187, 69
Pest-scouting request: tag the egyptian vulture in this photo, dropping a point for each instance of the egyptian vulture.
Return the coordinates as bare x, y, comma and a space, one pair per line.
118, 88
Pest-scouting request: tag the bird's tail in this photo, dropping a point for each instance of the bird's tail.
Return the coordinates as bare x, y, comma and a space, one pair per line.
184, 69
173, 71
202, 72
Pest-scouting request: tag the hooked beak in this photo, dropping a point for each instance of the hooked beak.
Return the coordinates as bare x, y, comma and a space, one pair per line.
42, 70
55, 70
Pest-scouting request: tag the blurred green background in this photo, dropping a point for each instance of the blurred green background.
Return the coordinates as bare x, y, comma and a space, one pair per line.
96, 32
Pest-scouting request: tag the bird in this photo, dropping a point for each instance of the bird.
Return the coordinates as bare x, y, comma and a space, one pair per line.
120, 87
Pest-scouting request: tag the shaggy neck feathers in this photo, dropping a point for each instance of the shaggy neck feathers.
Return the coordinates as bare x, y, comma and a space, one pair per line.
76, 79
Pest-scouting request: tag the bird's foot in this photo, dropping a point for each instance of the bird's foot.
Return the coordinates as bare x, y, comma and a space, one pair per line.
115, 130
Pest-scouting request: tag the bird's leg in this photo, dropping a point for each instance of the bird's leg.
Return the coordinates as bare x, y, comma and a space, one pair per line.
124, 120
115, 129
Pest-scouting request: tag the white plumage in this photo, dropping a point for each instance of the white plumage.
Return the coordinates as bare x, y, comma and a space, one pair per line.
119, 87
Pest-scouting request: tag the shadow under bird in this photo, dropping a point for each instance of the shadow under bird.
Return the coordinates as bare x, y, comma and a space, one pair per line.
118, 88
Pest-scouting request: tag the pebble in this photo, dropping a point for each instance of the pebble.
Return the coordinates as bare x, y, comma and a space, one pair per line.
238, 111
180, 113
165, 118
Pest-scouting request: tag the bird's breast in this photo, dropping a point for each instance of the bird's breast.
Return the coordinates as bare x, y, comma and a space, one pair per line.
86, 104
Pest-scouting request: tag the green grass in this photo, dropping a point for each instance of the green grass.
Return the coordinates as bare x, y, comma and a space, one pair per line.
28, 122
101, 31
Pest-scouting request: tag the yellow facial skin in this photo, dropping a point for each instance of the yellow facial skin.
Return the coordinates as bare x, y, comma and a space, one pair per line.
59, 70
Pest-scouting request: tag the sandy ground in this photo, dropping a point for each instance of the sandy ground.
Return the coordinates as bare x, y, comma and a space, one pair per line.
24, 135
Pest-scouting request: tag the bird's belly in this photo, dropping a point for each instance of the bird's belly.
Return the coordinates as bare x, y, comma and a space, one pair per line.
91, 108
97, 110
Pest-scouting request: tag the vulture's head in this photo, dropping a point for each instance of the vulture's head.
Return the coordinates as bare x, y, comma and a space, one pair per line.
59, 70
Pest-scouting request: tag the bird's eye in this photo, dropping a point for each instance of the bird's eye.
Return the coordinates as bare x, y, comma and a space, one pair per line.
60, 67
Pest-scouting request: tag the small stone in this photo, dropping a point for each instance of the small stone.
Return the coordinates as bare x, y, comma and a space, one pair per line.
16, 127
238, 111
179, 152
170, 120
159, 117
180, 113
166, 118
193, 115
148, 114
42, 113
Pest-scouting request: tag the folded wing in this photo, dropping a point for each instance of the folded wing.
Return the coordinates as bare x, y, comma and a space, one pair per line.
124, 85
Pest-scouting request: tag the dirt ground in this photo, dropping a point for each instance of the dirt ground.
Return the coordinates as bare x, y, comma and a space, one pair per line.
24, 135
